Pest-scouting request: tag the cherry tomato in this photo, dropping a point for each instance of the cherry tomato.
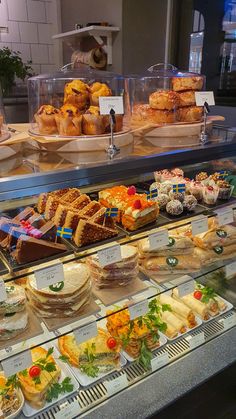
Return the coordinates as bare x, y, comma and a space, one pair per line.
111, 343
197, 295
137, 204
34, 371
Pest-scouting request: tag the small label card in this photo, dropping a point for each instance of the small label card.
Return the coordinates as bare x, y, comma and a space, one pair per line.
159, 361
17, 363
109, 255
229, 322
158, 239
197, 340
199, 226
230, 269
138, 309
225, 216
68, 411
116, 385
86, 332
3, 293
202, 97
51, 275
106, 103
186, 288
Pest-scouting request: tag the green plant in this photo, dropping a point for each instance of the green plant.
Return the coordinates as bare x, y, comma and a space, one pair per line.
11, 66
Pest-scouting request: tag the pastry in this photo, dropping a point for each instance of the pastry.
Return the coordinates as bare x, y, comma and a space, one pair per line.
54, 200
174, 207
144, 114
162, 200
177, 172
164, 100
76, 93
73, 211
187, 98
195, 188
190, 114
180, 84
96, 90
197, 306
45, 118
88, 232
29, 249
93, 123
178, 245
180, 309
69, 121
162, 175
225, 189
210, 194
189, 203
201, 176
179, 196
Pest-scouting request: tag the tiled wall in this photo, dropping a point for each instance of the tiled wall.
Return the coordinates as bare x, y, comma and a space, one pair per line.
31, 24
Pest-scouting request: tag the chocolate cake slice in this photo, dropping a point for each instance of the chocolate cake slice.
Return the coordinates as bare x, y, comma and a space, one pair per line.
49, 231
25, 214
5, 226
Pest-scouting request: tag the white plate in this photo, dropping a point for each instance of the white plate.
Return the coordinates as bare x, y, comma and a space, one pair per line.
162, 341
199, 322
28, 410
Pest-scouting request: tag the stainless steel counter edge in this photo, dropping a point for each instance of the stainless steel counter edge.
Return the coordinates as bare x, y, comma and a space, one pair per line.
163, 387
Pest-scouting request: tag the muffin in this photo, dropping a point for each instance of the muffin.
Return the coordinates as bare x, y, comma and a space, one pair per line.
210, 194
181, 84
187, 98
191, 114
96, 90
77, 93
164, 100
189, 203
195, 189
69, 121
93, 123
45, 118
225, 189
174, 207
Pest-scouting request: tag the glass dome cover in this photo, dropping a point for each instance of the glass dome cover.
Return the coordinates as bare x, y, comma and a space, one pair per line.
4, 133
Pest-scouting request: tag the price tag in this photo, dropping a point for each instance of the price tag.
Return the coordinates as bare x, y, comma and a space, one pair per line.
86, 332
109, 255
186, 288
159, 361
138, 309
199, 226
68, 411
49, 276
17, 363
230, 269
229, 321
197, 340
225, 217
116, 385
3, 293
106, 103
202, 97
158, 239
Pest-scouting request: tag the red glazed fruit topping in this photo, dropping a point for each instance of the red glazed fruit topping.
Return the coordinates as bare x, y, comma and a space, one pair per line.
131, 190
137, 204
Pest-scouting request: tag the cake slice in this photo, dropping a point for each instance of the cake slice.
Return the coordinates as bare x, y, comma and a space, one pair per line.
80, 202
100, 218
70, 196
74, 215
88, 232
25, 214
5, 226
90, 209
36, 220
42, 200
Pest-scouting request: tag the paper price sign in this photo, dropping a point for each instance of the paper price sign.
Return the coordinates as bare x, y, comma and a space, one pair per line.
158, 239
225, 217
86, 332
199, 226
159, 361
49, 276
68, 411
138, 309
116, 385
229, 321
17, 363
3, 293
202, 97
186, 288
109, 255
197, 340
230, 269
106, 103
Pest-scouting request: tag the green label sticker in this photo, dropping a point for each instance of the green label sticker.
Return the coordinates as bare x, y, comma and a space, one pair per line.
218, 249
172, 261
58, 286
171, 242
221, 233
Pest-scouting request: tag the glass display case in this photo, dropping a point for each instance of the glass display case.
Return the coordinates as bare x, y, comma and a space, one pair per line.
112, 272
4, 134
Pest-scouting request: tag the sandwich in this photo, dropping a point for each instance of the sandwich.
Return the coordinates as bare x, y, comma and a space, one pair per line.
162, 265
177, 246
197, 306
15, 301
224, 236
13, 324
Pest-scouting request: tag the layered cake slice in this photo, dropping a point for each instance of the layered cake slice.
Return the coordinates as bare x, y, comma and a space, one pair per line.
88, 232
29, 249
42, 199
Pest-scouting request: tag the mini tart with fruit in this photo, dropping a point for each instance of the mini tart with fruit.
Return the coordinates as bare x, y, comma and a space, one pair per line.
46, 119
69, 121
96, 90
93, 123
210, 194
225, 189
138, 211
77, 93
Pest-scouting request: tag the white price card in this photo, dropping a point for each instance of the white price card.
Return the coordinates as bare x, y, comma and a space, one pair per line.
225, 216
68, 411
52, 275
159, 361
186, 288
138, 309
3, 293
116, 385
17, 363
230, 269
158, 239
202, 97
199, 226
109, 255
106, 103
229, 322
86, 332
197, 340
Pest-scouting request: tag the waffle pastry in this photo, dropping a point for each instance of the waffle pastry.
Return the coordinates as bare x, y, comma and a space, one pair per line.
88, 232
42, 199
54, 201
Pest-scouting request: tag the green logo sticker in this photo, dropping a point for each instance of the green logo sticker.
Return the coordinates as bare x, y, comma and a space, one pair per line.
172, 261
58, 286
171, 242
221, 233
218, 249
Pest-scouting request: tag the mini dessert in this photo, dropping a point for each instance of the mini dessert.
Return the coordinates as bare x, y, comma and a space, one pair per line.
77, 93
164, 100
69, 121
210, 194
96, 90
163, 175
179, 196
93, 123
201, 176
46, 119
162, 200
187, 98
189, 203
144, 114
16, 299
165, 188
195, 189
177, 172
191, 114
174, 207
187, 83
225, 189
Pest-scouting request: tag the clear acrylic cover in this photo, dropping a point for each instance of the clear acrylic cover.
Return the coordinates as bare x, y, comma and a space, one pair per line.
4, 133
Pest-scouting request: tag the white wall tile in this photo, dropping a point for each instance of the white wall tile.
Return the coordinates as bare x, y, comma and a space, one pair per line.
28, 32
48, 68
13, 34
50, 12
36, 68
17, 10
5, 44
51, 54
45, 33
39, 54
3, 13
36, 11
24, 50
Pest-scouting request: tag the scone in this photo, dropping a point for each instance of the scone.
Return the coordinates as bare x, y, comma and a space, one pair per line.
191, 114
69, 121
164, 100
96, 90
76, 93
93, 123
187, 98
187, 83
144, 114
45, 118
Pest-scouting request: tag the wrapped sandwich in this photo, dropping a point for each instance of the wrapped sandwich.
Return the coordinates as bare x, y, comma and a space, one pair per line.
15, 301
162, 265
182, 311
224, 236
177, 246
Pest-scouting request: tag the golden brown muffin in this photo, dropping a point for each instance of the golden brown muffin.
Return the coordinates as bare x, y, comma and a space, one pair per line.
76, 93
45, 117
93, 123
187, 83
96, 90
143, 114
164, 100
187, 98
69, 121
191, 114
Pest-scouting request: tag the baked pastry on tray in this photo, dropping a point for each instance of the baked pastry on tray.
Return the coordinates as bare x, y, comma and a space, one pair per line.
45, 118
76, 93
191, 114
69, 121
180, 84
145, 114
164, 100
93, 122
96, 90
